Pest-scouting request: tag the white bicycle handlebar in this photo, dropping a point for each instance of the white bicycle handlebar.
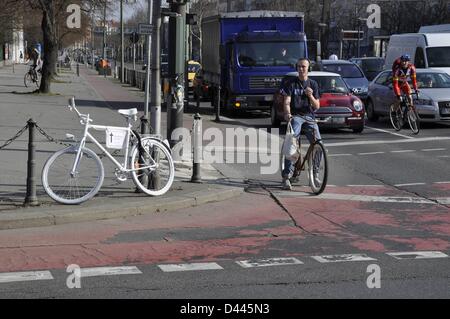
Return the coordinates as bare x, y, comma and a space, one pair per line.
72, 107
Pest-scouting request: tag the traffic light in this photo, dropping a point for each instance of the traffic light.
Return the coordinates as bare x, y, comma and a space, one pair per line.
190, 19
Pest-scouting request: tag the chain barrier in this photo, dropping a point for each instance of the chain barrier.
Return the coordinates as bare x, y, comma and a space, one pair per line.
51, 139
12, 139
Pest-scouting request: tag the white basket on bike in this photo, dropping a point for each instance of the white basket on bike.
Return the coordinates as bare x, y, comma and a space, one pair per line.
290, 147
115, 137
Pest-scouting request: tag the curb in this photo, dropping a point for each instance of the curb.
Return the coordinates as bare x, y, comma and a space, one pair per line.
27, 217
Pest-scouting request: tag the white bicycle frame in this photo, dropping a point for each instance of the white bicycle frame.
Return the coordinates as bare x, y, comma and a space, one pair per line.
85, 120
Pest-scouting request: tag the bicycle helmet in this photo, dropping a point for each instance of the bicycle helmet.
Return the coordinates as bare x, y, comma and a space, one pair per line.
405, 57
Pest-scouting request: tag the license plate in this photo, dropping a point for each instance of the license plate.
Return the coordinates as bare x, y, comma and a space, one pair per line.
338, 120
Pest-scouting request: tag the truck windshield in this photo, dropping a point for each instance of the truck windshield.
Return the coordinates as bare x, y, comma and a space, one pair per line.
438, 57
269, 53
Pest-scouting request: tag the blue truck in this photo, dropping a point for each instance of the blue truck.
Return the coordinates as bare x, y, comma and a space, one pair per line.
246, 55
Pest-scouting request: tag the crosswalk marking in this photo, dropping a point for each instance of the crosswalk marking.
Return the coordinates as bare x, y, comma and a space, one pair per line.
268, 262
189, 267
25, 276
109, 271
342, 258
418, 255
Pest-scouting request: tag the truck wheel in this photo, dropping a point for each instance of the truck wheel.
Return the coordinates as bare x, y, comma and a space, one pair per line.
274, 120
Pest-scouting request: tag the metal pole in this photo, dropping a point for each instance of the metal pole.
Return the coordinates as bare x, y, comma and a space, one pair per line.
147, 77
359, 27
122, 57
78, 69
197, 151
217, 98
31, 198
155, 107
104, 32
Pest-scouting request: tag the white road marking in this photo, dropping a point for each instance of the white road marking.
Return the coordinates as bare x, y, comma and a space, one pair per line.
188, 267
442, 182
444, 156
355, 185
109, 271
389, 132
418, 255
268, 262
360, 198
409, 184
371, 153
342, 258
443, 200
433, 149
412, 140
334, 155
403, 151
25, 276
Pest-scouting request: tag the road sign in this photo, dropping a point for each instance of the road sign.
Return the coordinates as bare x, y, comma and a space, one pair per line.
145, 28
352, 35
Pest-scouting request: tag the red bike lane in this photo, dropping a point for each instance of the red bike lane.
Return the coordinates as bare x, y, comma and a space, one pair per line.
250, 226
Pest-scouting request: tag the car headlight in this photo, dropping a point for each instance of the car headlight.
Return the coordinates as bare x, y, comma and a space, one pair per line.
357, 105
424, 102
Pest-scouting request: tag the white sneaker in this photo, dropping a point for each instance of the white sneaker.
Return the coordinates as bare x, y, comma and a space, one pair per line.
286, 184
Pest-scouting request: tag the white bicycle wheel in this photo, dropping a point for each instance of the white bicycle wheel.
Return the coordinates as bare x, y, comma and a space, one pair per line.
158, 179
27, 80
66, 188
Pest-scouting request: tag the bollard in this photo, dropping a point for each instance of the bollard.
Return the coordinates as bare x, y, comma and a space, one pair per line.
78, 69
31, 198
218, 104
197, 150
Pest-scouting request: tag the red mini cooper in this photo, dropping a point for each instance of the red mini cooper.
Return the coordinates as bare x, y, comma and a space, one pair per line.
336, 101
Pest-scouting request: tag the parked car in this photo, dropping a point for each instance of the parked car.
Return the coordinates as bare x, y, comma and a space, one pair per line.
336, 101
351, 73
371, 66
200, 87
434, 98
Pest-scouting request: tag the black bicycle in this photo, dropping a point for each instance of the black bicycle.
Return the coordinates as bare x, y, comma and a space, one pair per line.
32, 76
315, 162
405, 113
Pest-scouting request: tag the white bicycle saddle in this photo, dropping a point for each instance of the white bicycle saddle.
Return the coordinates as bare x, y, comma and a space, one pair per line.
128, 112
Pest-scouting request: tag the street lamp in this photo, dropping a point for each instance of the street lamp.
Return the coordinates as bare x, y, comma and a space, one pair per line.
359, 31
321, 26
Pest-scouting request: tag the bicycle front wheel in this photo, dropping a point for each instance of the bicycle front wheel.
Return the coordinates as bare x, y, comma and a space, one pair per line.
67, 188
154, 170
318, 168
27, 80
413, 120
395, 113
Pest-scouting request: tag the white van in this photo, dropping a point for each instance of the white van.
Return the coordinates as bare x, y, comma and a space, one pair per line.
427, 50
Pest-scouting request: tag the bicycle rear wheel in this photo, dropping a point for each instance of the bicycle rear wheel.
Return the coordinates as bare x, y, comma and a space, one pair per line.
318, 168
413, 120
395, 114
66, 188
27, 80
158, 179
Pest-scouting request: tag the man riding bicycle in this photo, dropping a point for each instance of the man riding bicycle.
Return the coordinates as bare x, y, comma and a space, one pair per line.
400, 74
301, 99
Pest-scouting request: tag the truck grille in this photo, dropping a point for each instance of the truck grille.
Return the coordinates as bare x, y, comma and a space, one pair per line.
265, 82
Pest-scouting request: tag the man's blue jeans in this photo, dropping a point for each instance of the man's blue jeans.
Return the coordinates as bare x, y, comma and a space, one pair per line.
312, 133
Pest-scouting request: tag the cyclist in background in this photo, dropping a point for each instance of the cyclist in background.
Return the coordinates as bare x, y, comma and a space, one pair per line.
400, 78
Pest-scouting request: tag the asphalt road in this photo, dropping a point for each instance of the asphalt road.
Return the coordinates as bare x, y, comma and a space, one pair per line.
388, 193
